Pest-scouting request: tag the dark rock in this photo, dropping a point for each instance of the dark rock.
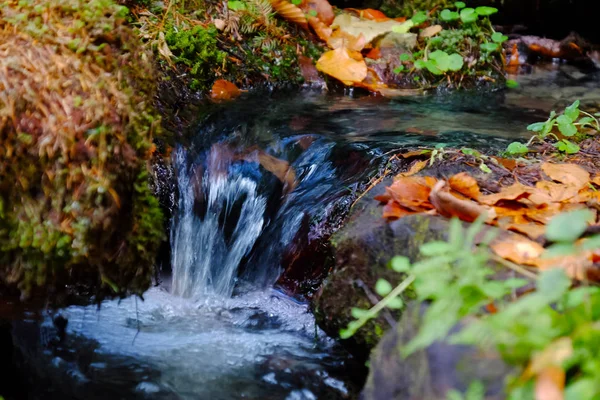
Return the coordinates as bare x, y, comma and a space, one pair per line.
429, 373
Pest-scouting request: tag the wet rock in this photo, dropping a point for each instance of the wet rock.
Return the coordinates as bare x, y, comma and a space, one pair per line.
362, 250
429, 373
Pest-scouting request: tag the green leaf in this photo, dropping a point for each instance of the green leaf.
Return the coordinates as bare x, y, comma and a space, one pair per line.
476, 391
454, 395
569, 226
553, 283
468, 15
499, 37
312, 13
489, 47
512, 84
536, 127
516, 148
358, 312
566, 146
395, 304
399, 69
419, 18
432, 67
486, 11
448, 16
400, 264
383, 287
236, 5
559, 250
455, 62
565, 125
296, 2
586, 121
515, 283
420, 64
435, 248
485, 168
404, 27
440, 60
460, 4
573, 111
405, 57
592, 243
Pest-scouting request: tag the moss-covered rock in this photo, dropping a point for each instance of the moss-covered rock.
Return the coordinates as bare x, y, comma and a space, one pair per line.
76, 128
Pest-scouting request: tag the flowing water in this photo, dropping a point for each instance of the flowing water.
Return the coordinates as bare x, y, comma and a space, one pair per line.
253, 180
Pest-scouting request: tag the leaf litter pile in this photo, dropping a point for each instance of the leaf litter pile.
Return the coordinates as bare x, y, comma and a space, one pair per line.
524, 210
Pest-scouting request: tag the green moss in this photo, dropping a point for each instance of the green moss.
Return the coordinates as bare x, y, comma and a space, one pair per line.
76, 129
196, 48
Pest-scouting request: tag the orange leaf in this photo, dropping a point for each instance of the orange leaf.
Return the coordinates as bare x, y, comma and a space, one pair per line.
514, 192
224, 90
450, 206
465, 184
322, 30
410, 192
557, 192
322, 8
567, 173
340, 38
393, 210
531, 229
507, 163
415, 168
374, 54
430, 31
338, 64
550, 384
517, 249
374, 15
290, 12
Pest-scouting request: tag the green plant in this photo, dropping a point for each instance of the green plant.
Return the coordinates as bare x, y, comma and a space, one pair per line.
572, 123
556, 326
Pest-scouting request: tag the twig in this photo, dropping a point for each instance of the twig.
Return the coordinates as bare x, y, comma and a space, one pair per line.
515, 267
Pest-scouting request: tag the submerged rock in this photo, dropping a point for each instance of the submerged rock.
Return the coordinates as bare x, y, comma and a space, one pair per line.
76, 128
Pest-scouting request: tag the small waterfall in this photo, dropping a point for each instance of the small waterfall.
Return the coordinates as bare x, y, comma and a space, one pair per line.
208, 242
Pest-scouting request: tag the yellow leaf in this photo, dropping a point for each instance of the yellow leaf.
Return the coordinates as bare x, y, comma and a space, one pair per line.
338, 64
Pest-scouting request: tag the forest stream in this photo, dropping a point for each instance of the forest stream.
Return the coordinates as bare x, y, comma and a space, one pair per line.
223, 323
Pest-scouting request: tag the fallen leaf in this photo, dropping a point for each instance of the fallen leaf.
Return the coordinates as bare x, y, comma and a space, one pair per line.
323, 9
308, 70
219, 24
517, 249
372, 14
224, 90
321, 29
556, 192
290, 12
514, 192
410, 192
340, 38
465, 184
430, 31
450, 206
369, 29
508, 163
531, 229
374, 54
163, 47
550, 384
415, 168
415, 153
338, 64
567, 173
393, 210
280, 168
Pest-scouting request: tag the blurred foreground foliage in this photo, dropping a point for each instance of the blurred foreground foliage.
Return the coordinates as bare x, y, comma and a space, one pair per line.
76, 129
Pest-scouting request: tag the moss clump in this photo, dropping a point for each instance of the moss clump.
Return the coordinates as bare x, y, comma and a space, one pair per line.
241, 41
76, 127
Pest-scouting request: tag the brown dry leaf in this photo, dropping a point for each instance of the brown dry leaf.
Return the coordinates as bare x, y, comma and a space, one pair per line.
280, 168
393, 210
449, 205
550, 384
543, 213
516, 191
507, 163
596, 180
323, 9
416, 167
531, 229
374, 54
410, 192
338, 64
575, 266
569, 174
465, 184
340, 38
556, 192
430, 31
415, 153
517, 249
290, 12
321, 29
308, 70
224, 90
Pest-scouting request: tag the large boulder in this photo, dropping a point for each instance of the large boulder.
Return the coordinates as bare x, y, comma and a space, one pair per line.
76, 128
